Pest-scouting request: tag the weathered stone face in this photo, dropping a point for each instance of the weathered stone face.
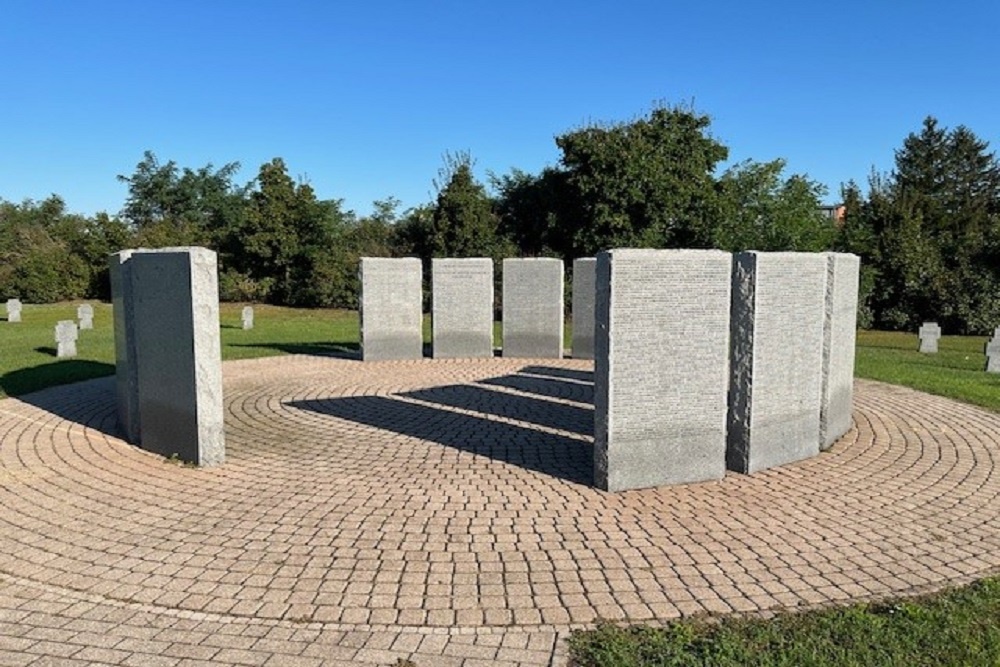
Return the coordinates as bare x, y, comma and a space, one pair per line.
533, 308
13, 310
246, 317
462, 307
779, 301
661, 367
391, 308
584, 293
839, 339
85, 314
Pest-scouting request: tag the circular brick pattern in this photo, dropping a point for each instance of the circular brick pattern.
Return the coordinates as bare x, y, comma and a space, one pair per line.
457, 494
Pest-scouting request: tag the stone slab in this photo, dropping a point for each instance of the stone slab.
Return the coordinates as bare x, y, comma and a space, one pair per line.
779, 304
583, 307
928, 334
993, 354
66, 334
13, 310
246, 317
391, 308
175, 306
533, 308
462, 308
839, 341
126, 370
85, 313
661, 368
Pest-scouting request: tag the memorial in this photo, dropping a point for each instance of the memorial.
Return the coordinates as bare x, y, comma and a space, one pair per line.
66, 335
533, 308
13, 310
777, 324
993, 354
462, 308
247, 317
85, 313
583, 307
929, 334
391, 308
175, 308
661, 369
839, 339
126, 375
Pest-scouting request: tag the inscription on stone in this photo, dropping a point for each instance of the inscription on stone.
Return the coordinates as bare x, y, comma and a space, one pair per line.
929, 333
779, 301
533, 308
66, 335
85, 313
391, 308
583, 307
661, 368
462, 307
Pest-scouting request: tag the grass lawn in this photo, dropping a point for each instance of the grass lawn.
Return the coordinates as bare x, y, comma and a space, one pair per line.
959, 627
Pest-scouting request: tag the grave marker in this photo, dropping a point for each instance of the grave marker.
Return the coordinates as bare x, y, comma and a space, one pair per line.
993, 354
929, 333
13, 310
247, 317
85, 313
66, 335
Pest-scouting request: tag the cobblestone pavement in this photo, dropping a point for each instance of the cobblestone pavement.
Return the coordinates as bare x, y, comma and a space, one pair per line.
441, 511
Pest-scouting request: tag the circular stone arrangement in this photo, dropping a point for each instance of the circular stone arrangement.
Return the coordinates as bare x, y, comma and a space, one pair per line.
457, 493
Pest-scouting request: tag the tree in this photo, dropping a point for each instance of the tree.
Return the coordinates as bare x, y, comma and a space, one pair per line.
463, 223
760, 210
648, 183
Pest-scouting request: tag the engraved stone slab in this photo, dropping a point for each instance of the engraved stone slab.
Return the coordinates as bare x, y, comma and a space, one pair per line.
779, 302
583, 307
247, 317
462, 307
66, 334
839, 339
929, 333
85, 313
533, 308
175, 301
661, 369
391, 308
13, 310
126, 370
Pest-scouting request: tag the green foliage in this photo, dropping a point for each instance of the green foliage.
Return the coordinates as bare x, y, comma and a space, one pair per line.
648, 183
463, 223
758, 210
931, 232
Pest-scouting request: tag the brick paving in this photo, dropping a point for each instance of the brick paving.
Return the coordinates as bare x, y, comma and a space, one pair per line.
441, 511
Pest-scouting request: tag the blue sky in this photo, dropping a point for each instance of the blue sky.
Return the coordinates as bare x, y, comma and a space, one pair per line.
362, 99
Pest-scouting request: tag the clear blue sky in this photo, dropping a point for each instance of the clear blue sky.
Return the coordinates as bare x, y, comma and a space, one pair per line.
362, 99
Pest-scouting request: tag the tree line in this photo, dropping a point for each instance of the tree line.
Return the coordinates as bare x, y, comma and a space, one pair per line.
927, 232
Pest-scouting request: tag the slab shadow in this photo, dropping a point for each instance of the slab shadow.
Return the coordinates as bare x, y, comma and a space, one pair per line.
90, 403
512, 406
338, 350
45, 349
550, 454
562, 373
548, 387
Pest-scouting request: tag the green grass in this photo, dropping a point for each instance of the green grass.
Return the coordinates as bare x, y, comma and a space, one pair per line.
956, 371
959, 627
